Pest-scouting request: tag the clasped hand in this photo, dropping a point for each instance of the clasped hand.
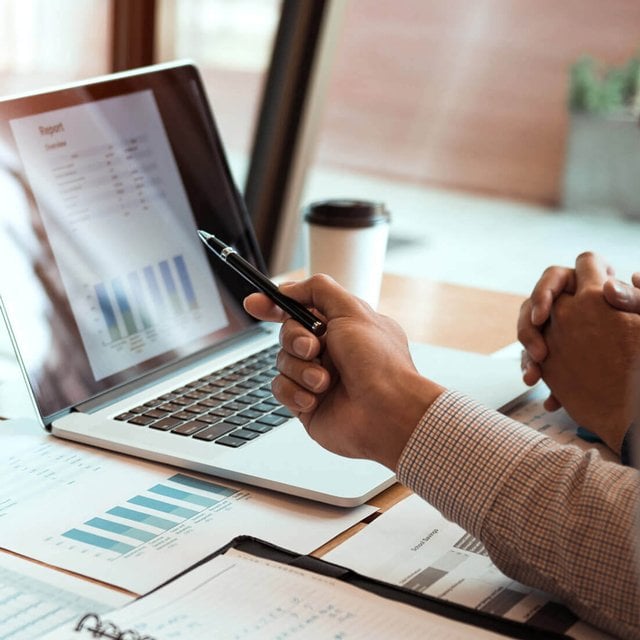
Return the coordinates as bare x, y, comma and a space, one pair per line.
581, 333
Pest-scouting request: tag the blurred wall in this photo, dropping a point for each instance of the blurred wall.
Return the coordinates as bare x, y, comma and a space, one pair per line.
466, 94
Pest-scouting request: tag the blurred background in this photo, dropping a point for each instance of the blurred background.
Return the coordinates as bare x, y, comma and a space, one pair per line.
502, 134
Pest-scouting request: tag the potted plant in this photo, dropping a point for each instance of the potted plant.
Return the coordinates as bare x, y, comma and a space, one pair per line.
602, 169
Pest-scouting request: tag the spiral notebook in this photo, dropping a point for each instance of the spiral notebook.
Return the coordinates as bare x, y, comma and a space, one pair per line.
252, 589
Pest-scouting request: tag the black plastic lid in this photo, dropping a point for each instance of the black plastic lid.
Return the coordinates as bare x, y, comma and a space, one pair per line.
346, 213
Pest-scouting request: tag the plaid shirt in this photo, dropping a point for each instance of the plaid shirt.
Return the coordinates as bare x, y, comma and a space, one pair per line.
551, 516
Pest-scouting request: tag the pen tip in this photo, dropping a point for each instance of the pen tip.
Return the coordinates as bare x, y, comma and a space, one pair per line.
204, 235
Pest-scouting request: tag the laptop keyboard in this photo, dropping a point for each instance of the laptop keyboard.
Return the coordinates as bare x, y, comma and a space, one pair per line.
230, 407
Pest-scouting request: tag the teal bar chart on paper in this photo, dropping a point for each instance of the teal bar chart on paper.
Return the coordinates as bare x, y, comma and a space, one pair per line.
112, 517
163, 507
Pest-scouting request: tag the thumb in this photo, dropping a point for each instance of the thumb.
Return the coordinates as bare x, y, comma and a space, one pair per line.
622, 296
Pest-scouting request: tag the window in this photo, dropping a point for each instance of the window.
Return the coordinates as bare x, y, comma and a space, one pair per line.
46, 43
230, 41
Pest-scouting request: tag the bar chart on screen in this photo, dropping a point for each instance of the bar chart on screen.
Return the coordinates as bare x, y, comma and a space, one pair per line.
142, 301
121, 228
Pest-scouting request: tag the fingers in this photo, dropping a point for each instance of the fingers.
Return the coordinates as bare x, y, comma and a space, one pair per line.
622, 296
530, 336
535, 312
552, 403
591, 271
554, 281
293, 396
635, 278
531, 372
310, 376
300, 382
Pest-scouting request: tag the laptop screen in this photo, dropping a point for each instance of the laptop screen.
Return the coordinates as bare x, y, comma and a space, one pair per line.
104, 185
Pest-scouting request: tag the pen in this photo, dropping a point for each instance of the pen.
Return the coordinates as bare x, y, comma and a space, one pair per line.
296, 310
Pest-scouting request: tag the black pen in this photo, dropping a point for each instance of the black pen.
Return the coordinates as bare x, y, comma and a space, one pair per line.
296, 310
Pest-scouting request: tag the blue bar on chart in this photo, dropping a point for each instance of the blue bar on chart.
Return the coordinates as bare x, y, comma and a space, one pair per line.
98, 541
140, 299
121, 529
185, 496
196, 483
185, 281
154, 288
170, 285
125, 307
107, 311
163, 507
143, 518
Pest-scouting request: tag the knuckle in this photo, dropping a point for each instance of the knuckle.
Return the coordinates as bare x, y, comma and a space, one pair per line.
321, 279
586, 255
526, 335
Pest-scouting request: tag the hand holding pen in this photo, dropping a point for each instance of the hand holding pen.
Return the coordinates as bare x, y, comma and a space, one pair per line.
231, 257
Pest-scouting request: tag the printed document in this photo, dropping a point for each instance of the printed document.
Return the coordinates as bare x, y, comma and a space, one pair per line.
136, 524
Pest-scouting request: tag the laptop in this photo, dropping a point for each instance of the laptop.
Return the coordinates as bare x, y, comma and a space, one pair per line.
130, 335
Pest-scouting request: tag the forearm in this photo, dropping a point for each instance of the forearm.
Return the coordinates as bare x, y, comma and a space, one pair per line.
552, 517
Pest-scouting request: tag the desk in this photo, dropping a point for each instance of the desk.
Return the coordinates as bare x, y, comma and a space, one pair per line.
446, 315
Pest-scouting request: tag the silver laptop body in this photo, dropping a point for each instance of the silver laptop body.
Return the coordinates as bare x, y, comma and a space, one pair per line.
111, 298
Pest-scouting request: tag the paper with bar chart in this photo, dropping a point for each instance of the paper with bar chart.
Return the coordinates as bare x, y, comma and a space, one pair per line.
135, 524
121, 228
34, 600
437, 557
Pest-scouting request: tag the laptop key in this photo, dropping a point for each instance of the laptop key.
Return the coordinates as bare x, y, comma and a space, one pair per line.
197, 408
208, 418
189, 428
272, 420
235, 406
261, 393
237, 420
214, 431
230, 441
141, 420
155, 413
125, 416
221, 412
263, 407
284, 412
166, 424
257, 427
250, 413
169, 406
245, 434
140, 409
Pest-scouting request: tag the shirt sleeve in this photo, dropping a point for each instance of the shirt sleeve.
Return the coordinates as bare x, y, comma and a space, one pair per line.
551, 516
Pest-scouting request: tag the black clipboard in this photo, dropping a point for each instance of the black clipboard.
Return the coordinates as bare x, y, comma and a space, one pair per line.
98, 628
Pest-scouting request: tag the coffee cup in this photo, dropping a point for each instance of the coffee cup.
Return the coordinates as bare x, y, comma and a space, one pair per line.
347, 239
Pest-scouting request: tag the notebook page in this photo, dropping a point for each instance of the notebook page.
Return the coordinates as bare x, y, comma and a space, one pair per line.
240, 596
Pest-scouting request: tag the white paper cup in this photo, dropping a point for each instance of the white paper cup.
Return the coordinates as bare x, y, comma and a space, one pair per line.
347, 239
